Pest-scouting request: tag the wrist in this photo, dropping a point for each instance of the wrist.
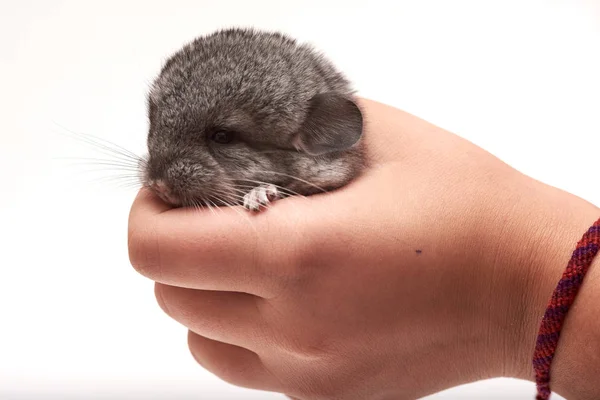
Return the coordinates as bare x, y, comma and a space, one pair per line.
576, 365
550, 223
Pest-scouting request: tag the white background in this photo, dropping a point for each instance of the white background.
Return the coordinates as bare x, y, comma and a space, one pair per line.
519, 78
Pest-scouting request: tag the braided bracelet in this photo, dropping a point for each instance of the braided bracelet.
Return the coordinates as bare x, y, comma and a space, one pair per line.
558, 307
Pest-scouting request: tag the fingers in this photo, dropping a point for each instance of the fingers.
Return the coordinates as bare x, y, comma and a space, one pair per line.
235, 365
229, 249
232, 318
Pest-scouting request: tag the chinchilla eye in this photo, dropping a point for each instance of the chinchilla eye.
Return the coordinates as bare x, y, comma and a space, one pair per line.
222, 137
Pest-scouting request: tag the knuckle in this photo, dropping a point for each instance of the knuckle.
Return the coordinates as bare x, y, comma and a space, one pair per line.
295, 268
320, 369
313, 346
302, 267
285, 261
306, 344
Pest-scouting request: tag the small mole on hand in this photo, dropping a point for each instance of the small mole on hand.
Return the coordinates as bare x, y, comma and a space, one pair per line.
418, 251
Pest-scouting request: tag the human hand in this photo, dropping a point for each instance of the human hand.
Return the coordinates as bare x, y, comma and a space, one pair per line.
422, 274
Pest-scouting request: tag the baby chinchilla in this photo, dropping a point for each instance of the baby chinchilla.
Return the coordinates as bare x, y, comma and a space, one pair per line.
242, 117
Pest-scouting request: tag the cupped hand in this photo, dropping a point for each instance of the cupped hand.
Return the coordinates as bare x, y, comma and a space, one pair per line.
414, 278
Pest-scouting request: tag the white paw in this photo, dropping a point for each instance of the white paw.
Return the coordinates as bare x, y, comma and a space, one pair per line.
260, 196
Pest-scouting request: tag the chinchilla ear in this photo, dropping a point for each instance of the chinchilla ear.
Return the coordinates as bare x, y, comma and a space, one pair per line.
334, 123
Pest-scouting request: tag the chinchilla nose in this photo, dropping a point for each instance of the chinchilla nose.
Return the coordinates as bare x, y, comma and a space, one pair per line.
163, 191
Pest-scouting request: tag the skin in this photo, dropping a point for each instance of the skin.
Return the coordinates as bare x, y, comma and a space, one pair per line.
430, 270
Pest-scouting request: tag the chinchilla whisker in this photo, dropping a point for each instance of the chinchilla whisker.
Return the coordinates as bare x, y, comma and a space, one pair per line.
109, 171
99, 161
119, 175
111, 145
108, 168
239, 212
118, 182
128, 185
216, 206
105, 169
113, 179
227, 193
131, 182
269, 151
208, 204
115, 155
231, 196
107, 150
252, 183
246, 188
99, 142
283, 189
212, 210
294, 177
193, 204
124, 183
241, 192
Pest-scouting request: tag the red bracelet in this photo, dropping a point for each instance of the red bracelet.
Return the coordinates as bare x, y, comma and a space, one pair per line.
559, 305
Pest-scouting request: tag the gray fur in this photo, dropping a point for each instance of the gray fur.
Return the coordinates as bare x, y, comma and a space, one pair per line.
292, 112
